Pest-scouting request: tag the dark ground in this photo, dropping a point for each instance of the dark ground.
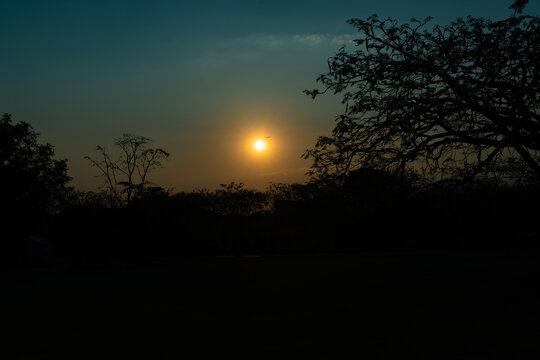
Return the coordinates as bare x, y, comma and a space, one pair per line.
479, 305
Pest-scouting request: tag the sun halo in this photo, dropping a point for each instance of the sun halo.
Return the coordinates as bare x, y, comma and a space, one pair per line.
259, 145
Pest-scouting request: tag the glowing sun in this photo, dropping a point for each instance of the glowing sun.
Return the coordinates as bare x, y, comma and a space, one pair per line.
259, 145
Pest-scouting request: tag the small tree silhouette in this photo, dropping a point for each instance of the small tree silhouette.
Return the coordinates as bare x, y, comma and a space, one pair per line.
126, 177
519, 5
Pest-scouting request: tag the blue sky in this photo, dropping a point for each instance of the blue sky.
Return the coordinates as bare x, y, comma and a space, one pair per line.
199, 78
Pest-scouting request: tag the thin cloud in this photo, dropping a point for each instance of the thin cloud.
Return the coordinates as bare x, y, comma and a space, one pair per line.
310, 39
273, 41
344, 39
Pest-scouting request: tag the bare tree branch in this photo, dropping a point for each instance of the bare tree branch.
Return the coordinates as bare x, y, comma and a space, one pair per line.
126, 177
451, 101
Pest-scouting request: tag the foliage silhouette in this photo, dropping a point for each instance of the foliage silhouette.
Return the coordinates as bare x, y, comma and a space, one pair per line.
368, 210
453, 103
126, 177
233, 199
519, 5
33, 183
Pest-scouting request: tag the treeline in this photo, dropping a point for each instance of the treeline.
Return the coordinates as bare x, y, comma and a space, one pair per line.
368, 211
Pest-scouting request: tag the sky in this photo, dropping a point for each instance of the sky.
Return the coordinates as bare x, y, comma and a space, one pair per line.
202, 79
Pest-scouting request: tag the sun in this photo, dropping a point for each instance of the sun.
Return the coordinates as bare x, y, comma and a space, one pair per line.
259, 145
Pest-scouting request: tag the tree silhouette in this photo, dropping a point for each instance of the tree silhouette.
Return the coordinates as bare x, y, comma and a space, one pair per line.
126, 177
519, 5
456, 102
33, 183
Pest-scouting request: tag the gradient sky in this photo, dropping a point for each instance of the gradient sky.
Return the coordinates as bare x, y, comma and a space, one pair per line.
201, 79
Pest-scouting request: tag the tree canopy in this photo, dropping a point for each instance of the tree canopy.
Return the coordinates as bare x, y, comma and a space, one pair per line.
518, 5
33, 181
456, 102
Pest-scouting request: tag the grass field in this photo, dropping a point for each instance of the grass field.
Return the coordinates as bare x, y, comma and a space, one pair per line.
480, 305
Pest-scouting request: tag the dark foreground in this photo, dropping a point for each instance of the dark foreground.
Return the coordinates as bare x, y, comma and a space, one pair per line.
480, 305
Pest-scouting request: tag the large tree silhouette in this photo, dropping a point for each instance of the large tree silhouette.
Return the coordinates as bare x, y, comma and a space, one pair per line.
32, 182
455, 102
